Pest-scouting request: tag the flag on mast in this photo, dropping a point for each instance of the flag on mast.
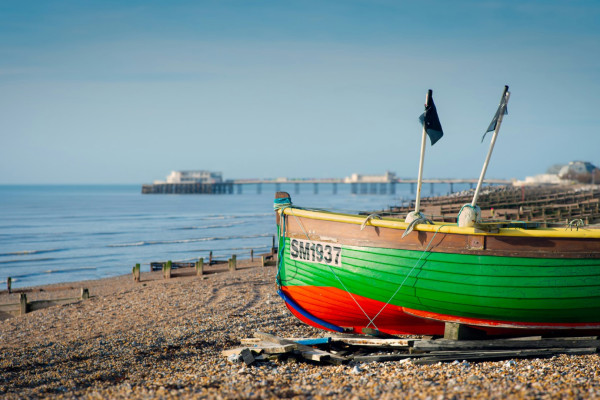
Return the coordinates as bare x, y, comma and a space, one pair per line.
430, 120
502, 110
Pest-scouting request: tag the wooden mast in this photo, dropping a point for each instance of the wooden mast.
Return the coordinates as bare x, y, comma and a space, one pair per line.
503, 104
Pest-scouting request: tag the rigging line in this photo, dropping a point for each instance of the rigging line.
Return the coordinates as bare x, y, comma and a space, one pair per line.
406, 277
349, 293
299, 223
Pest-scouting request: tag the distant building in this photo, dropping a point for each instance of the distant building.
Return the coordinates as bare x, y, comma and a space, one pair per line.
194, 177
580, 171
576, 168
385, 178
542, 179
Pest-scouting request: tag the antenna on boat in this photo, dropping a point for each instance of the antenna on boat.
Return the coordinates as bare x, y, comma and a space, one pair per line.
470, 213
432, 127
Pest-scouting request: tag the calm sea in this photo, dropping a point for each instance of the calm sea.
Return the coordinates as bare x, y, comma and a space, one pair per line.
51, 234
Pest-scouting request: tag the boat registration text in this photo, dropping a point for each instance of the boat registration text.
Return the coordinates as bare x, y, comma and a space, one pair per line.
319, 252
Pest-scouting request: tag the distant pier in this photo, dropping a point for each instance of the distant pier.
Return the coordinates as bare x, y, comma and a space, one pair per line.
189, 188
357, 186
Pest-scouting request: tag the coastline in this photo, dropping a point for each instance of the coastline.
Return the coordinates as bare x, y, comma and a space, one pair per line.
163, 339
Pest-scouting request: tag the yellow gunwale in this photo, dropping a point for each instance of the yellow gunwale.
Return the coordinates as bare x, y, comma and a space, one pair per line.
392, 223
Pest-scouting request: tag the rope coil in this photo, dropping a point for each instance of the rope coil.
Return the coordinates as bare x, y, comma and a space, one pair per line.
284, 202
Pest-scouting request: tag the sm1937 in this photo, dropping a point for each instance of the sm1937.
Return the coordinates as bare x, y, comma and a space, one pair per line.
319, 252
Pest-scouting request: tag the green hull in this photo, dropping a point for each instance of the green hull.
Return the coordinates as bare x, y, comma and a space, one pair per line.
478, 287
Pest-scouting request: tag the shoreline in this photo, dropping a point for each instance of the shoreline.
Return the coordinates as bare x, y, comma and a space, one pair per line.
163, 338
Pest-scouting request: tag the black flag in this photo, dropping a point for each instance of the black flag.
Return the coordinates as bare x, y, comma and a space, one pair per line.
502, 110
430, 120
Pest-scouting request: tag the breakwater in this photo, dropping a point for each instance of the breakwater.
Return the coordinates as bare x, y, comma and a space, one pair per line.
543, 204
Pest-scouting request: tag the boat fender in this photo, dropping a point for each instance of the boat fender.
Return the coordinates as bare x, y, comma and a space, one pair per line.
413, 215
468, 216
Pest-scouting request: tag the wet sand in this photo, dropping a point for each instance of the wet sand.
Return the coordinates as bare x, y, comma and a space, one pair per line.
163, 339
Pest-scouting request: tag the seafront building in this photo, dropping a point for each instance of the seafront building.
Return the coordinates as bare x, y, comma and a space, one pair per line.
182, 182
358, 178
561, 174
193, 177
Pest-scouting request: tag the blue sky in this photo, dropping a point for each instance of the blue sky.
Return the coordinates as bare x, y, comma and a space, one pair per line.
126, 91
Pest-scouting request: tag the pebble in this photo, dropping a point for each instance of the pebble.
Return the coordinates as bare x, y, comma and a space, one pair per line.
356, 370
131, 341
234, 358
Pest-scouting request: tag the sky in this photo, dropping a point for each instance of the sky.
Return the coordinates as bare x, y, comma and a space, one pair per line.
102, 92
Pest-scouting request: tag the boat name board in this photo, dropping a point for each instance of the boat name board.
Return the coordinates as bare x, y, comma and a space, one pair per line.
319, 252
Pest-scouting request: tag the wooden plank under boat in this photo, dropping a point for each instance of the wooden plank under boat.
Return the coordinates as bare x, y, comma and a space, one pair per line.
495, 278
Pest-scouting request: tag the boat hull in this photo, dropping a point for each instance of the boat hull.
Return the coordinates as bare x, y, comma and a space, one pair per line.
515, 280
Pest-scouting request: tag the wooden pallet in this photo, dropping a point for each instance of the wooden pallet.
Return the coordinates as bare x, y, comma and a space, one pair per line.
264, 347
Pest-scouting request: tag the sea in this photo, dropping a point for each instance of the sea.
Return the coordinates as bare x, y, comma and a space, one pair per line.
64, 233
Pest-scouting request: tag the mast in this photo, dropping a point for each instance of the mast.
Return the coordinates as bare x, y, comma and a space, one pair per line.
498, 119
422, 159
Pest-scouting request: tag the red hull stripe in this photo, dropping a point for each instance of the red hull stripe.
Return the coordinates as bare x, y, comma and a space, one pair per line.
337, 307
500, 324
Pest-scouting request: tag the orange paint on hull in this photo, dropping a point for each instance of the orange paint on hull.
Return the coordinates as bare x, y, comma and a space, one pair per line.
340, 308
337, 307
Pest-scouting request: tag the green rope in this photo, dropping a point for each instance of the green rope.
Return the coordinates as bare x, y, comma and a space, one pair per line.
278, 204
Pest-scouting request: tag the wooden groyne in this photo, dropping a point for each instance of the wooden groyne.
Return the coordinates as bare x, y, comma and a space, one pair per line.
544, 204
24, 306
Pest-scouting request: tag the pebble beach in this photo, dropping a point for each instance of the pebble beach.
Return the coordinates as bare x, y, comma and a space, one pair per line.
163, 339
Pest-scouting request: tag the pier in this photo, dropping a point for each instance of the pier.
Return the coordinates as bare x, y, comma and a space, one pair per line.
367, 185
188, 188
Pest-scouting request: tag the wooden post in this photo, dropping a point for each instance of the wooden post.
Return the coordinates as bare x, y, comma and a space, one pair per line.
252, 255
210, 260
23, 301
136, 273
167, 270
200, 267
273, 249
262, 261
233, 263
455, 331
85, 293
9, 284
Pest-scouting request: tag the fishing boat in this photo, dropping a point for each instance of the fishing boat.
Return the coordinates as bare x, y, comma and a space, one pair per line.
497, 277
349, 273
